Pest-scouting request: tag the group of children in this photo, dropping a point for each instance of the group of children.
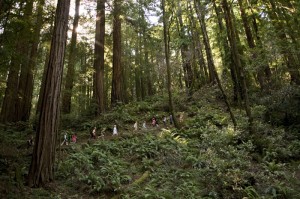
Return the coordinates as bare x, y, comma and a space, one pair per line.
69, 139
94, 134
154, 122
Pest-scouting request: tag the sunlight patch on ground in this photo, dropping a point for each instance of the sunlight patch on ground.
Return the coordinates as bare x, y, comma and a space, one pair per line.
166, 132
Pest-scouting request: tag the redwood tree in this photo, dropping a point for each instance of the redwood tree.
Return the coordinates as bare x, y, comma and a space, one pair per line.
117, 78
26, 76
167, 58
18, 58
99, 57
66, 100
42, 164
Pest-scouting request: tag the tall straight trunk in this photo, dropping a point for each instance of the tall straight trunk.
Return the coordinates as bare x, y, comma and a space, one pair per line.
184, 49
126, 78
202, 65
67, 92
11, 94
137, 75
42, 86
10, 108
82, 99
148, 72
210, 62
41, 170
236, 57
117, 77
238, 95
99, 95
227, 58
167, 56
25, 88
151, 74
26, 78
142, 76
194, 63
198, 49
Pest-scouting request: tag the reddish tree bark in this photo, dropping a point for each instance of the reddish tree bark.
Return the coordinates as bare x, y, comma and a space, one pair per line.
42, 164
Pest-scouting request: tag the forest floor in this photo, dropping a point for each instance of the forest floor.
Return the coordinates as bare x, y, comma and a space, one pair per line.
205, 158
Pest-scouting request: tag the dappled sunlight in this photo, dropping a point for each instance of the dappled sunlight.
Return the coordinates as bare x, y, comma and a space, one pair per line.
168, 133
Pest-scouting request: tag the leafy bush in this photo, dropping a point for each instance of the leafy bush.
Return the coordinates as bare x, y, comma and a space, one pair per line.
283, 106
97, 168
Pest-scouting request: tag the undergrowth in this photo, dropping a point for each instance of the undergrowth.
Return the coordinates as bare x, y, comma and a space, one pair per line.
205, 158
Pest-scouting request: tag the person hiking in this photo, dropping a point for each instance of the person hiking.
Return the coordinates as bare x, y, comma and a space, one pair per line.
115, 130
135, 126
93, 133
74, 138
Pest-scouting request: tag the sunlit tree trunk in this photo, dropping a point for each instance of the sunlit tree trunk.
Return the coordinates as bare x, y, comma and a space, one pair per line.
99, 95
67, 92
42, 164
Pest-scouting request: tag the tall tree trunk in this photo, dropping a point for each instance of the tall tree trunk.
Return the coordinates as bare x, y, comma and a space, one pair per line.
184, 49
198, 50
151, 74
42, 86
210, 62
10, 108
236, 57
137, 74
82, 99
42, 165
99, 58
26, 77
25, 85
167, 56
117, 77
227, 57
11, 94
147, 72
67, 92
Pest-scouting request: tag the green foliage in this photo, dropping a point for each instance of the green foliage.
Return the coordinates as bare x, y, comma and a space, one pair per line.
206, 158
98, 169
74, 121
283, 106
